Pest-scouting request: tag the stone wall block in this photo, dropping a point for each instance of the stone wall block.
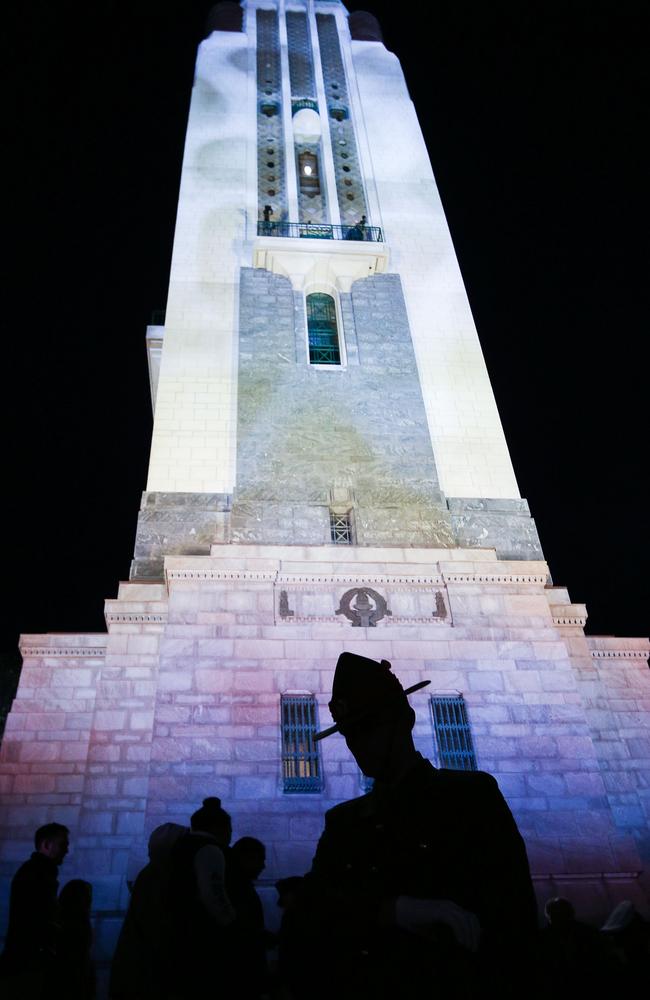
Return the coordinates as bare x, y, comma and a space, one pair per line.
174, 682
252, 787
524, 681
48, 751
109, 719
257, 750
71, 677
486, 681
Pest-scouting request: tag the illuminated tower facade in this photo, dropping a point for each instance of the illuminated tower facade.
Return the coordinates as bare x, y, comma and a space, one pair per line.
328, 471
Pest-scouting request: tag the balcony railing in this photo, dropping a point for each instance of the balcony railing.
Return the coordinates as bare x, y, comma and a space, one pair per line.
317, 231
324, 355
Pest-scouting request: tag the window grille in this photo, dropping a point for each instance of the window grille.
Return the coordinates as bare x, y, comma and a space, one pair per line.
453, 735
301, 766
341, 529
322, 330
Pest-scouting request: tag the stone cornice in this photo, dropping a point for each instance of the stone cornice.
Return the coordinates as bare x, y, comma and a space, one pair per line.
527, 579
328, 579
569, 615
133, 617
303, 581
340, 263
69, 651
628, 654
260, 576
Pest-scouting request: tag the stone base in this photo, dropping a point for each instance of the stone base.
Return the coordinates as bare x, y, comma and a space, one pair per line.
503, 525
189, 523
116, 734
374, 521
177, 523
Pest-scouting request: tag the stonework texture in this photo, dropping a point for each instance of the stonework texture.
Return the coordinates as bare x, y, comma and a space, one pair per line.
271, 171
305, 432
175, 523
505, 525
347, 170
114, 734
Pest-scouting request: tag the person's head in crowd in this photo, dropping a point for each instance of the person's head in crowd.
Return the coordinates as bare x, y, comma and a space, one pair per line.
53, 841
288, 890
251, 856
559, 912
162, 840
212, 819
75, 899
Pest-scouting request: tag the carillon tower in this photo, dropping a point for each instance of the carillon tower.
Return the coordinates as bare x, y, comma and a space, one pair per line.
328, 472
319, 356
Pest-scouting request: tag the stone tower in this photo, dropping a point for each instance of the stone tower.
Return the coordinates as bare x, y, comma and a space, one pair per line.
328, 471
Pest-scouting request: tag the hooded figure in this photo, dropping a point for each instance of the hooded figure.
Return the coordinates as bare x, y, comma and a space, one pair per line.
140, 964
422, 883
201, 912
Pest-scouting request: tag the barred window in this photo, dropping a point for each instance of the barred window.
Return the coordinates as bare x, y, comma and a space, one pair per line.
341, 529
322, 330
453, 735
301, 766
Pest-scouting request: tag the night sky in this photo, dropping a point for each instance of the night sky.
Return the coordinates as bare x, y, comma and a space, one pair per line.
532, 113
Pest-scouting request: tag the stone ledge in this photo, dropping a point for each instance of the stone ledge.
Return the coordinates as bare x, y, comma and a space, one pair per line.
55, 644
341, 262
629, 654
341, 554
134, 616
611, 646
569, 614
212, 568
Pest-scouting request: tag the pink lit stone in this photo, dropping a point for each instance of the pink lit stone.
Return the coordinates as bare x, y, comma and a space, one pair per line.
148, 738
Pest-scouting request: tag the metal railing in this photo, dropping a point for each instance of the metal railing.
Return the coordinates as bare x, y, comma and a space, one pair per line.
324, 355
318, 231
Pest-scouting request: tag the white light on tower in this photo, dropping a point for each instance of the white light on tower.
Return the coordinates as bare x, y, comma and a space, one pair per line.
306, 125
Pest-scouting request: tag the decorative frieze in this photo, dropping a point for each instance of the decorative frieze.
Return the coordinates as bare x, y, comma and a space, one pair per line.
80, 652
628, 654
532, 579
113, 617
300, 581
215, 574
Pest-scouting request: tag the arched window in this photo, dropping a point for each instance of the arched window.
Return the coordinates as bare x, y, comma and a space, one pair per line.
322, 330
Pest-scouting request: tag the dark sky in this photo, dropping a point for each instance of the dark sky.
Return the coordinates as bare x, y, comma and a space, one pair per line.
533, 115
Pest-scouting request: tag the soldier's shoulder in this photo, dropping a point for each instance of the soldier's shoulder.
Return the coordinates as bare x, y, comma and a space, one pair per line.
345, 812
479, 782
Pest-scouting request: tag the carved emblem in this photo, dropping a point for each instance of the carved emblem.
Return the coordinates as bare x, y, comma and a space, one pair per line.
285, 611
370, 607
441, 610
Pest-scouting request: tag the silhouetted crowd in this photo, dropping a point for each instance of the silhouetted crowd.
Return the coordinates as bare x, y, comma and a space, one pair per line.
420, 888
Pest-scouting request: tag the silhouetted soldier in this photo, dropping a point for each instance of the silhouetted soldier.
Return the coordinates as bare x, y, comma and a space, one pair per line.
572, 959
30, 947
409, 879
293, 944
245, 862
627, 935
75, 970
140, 966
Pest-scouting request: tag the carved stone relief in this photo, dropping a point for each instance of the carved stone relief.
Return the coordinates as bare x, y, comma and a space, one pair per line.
370, 607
